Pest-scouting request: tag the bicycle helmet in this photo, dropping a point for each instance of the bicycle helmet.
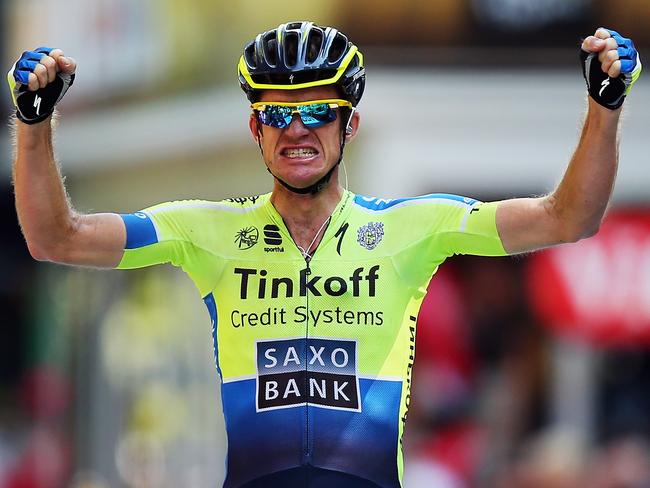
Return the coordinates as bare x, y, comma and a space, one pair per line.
302, 55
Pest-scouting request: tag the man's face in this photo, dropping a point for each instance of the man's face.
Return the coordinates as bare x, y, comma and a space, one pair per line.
298, 155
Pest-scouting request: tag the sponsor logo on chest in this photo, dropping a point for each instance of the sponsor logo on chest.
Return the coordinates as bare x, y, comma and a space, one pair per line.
273, 238
370, 235
246, 237
317, 371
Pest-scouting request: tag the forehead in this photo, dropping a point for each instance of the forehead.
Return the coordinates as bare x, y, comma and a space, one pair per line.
302, 95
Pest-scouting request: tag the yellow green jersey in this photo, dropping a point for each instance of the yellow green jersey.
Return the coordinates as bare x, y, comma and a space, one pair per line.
314, 355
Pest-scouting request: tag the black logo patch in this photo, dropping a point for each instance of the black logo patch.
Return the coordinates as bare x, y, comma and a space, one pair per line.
273, 238
340, 234
292, 372
272, 235
247, 237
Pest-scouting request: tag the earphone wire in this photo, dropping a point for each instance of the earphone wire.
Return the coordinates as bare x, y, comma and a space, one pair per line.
305, 253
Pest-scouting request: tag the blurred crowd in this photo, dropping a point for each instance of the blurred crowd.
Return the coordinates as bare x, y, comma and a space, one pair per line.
481, 414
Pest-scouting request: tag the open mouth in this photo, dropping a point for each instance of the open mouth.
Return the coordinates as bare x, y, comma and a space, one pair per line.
299, 153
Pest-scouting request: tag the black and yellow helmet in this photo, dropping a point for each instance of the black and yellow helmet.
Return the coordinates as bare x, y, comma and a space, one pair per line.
302, 55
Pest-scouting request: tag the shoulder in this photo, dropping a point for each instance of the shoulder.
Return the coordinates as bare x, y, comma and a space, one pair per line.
389, 205
235, 205
185, 219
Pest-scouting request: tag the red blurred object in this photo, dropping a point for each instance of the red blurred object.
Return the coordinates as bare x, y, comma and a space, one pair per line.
44, 463
44, 392
598, 289
442, 334
457, 447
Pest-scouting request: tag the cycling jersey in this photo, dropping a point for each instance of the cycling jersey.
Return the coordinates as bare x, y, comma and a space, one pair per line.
314, 356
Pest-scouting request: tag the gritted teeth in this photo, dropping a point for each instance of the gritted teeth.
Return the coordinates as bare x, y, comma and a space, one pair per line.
299, 152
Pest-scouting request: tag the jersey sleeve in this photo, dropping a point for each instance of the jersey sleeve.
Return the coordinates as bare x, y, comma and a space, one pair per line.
468, 229
166, 233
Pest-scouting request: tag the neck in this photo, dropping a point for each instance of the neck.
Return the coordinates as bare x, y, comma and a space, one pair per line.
304, 214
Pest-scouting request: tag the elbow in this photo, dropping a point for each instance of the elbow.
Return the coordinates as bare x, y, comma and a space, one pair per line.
582, 232
590, 231
41, 252
37, 252
46, 252
48, 245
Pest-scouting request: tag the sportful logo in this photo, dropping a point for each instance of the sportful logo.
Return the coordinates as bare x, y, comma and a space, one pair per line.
272, 237
292, 372
247, 237
370, 235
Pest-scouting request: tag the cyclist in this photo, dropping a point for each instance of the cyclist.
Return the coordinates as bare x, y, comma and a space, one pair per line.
313, 291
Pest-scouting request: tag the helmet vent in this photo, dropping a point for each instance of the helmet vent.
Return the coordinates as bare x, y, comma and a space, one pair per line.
299, 54
270, 44
338, 47
249, 56
314, 44
291, 49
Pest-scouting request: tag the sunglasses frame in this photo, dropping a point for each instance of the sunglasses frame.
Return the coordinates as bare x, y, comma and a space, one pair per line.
331, 102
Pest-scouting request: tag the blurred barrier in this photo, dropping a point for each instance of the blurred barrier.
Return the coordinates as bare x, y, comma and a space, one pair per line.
598, 290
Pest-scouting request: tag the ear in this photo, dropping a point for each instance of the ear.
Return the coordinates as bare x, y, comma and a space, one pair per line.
353, 126
254, 127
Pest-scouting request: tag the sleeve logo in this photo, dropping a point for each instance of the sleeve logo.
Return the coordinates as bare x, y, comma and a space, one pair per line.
321, 372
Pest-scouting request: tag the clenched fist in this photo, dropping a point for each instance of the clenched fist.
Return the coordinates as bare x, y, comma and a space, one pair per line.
38, 81
610, 65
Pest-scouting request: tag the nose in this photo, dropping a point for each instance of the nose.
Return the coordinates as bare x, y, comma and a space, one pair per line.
296, 127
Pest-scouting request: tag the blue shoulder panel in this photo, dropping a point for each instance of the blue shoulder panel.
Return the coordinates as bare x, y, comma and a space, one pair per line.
374, 203
140, 230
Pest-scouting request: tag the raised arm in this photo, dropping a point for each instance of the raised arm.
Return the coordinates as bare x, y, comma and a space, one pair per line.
52, 229
574, 210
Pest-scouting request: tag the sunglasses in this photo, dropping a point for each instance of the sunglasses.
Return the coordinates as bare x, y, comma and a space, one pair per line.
313, 113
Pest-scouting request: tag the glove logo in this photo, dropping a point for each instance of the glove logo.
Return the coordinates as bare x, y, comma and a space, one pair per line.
37, 104
604, 85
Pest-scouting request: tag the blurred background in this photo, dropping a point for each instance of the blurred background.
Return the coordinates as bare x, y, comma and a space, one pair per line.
531, 371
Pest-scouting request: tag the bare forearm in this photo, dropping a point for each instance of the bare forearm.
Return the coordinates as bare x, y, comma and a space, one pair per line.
581, 198
41, 201
53, 230
576, 207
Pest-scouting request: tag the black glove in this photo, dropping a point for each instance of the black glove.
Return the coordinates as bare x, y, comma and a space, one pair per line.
33, 107
611, 92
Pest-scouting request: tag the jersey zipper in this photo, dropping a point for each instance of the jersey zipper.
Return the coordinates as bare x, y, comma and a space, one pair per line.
306, 457
307, 450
